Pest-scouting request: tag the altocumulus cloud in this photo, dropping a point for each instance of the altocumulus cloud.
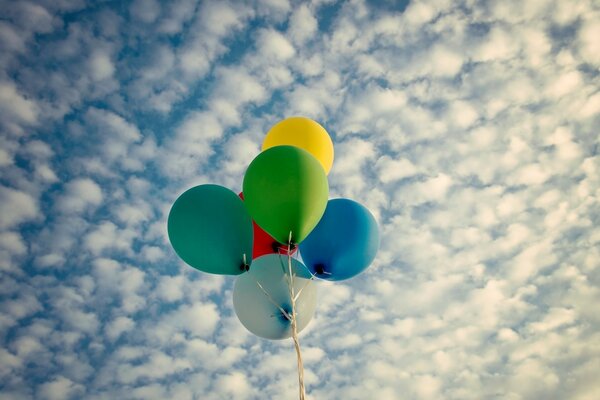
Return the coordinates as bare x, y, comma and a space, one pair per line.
469, 128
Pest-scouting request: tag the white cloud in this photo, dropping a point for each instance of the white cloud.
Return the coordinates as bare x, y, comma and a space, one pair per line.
564, 84
351, 156
107, 236
100, 65
50, 260
80, 195
118, 141
113, 125
12, 242
498, 45
118, 326
432, 189
390, 170
206, 36
303, 24
11, 39
5, 158
60, 388
32, 17
557, 317
444, 61
16, 107
124, 280
177, 13
588, 42
235, 385
196, 320
17, 207
274, 45
529, 174
417, 14
191, 145
145, 10
371, 106
157, 365
235, 88
171, 288
152, 253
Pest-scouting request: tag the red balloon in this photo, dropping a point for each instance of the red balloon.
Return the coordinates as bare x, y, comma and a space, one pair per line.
264, 243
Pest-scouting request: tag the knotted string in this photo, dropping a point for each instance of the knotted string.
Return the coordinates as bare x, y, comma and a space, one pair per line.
293, 298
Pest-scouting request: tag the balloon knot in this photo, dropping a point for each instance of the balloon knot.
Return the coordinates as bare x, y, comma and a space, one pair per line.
284, 317
279, 248
319, 269
245, 267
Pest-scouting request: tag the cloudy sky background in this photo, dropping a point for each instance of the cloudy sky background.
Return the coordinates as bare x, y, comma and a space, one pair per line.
469, 128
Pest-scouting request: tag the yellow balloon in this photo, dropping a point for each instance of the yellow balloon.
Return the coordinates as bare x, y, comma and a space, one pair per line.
304, 133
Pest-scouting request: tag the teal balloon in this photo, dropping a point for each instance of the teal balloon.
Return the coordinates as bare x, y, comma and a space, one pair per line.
211, 230
344, 243
261, 313
286, 189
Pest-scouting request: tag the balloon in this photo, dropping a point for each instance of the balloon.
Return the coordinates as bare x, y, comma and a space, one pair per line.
260, 313
210, 229
344, 243
285, 189
264, 243
303, 133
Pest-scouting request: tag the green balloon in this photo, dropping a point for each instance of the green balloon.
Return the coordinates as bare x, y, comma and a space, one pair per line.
285, 189
210, 229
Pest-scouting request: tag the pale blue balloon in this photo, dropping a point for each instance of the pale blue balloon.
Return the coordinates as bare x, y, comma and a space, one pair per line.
259, 293
344, 242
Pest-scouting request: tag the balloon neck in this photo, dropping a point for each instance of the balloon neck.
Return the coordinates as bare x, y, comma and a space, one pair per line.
279, 248
320, 269
245, 267
283, 317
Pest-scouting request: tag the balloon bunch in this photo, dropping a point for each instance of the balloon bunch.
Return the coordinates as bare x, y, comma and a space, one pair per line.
283, 207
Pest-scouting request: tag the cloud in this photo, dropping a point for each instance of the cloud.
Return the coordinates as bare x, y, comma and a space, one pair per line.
100, 66
11, 40
273, 45
60, 388
15, 108
119, 326
588, 46
235, 385
303, 24
196, 320
17, 207
145, 10
206, 35
191, 146
106, 237
176, 14
80, 195
390, 170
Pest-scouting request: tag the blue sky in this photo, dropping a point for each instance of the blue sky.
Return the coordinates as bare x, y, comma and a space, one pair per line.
468, 128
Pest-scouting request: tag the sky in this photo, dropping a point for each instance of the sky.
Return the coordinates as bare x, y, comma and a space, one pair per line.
469, 128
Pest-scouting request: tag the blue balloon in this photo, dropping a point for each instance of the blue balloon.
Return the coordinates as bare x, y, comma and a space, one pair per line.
344, 242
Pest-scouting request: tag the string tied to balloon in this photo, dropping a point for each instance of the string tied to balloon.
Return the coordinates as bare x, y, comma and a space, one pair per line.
293, 298
245, 266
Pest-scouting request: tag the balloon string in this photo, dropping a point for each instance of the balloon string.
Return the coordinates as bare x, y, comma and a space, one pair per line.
294, 321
